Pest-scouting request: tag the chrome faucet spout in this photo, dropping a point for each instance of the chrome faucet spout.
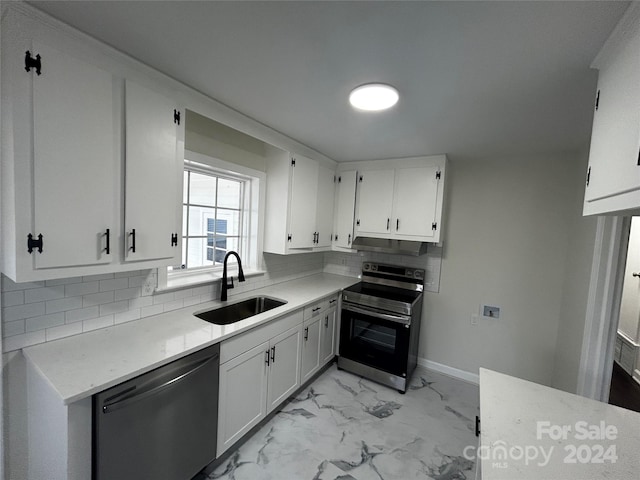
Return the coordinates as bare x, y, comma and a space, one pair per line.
225, 283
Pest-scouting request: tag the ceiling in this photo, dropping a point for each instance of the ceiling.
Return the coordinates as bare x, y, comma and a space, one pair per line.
475, 78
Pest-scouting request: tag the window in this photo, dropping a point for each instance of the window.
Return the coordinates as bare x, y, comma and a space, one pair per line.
213, 216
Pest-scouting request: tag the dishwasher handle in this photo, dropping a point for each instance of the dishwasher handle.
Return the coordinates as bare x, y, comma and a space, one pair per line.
139, 395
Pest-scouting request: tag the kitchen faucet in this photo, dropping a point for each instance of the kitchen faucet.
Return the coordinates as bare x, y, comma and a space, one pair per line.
225, 285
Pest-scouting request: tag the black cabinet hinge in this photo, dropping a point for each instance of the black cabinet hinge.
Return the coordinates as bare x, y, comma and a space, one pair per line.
434, 226
339, 179
174, 239
176, 116
597, 99
293, 162
588, 176
32, 62
358, 222
31, 243
360, 179
438, 175
289, 238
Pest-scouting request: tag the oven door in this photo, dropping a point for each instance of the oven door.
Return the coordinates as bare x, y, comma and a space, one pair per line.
375, 338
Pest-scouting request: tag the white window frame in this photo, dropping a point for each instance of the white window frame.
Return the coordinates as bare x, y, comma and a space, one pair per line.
253, 228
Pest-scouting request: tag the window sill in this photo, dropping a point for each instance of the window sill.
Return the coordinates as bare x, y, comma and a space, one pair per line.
188, 280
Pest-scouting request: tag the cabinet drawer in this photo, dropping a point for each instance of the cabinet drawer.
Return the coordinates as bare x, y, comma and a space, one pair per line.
317, 308
246, 341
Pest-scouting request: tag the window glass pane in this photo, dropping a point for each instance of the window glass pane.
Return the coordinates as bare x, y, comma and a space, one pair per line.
224, 245
228, 222
228, 193
197, 256
185, 186
200, 218
184, 221
203, 189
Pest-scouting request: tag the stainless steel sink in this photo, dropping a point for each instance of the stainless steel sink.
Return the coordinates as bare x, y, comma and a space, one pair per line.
239, 311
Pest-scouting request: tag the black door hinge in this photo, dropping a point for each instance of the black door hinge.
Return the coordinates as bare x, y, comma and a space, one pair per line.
588, 176
597, 99
438, 175
434, 226
289, 237
31, 243
176, 116
32, 62
293, 162
174, 239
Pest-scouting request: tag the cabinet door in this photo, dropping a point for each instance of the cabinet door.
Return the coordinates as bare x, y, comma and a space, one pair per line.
302, 203
615, 139
416, 195
75, 184
375, 198
324, 210
284, 372
242, 396
153, 178
310, 350
327, 345
345, 209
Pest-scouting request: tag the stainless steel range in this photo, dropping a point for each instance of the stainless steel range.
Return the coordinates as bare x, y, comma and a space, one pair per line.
380, 324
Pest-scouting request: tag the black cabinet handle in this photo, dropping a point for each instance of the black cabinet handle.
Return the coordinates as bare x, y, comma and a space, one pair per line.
266, 360
477, 426
397, 224
388, 219
133, 240
273, 354
315, 309
306, 334
107, 249
326, 321
349, 240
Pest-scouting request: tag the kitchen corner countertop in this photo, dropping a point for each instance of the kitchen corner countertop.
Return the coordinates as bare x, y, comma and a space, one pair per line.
530, 431
80, 366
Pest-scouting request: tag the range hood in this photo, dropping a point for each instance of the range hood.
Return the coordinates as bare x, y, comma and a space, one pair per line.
387, 245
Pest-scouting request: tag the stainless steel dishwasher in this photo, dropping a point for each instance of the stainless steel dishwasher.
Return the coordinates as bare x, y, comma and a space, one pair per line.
160, 425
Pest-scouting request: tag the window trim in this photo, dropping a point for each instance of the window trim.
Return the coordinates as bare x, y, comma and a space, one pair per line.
254, 213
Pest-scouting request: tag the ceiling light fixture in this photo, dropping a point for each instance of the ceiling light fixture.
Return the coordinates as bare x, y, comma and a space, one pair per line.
373, 97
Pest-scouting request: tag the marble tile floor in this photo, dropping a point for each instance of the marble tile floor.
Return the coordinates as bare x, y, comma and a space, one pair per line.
344, 427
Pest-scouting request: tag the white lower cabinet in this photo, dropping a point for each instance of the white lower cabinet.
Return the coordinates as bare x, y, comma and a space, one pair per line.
310, 349
327, 335
258, 371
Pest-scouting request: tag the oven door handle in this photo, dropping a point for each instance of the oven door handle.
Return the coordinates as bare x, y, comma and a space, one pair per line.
403, 319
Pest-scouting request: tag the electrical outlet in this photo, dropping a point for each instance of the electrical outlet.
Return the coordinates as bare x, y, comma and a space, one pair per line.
474, 319
147, 289
490, 311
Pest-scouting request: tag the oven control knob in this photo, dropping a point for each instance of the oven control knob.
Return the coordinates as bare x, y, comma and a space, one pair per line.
374, 267
417, 274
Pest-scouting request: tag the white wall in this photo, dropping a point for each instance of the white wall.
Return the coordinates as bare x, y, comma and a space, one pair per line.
576, 290
507, 229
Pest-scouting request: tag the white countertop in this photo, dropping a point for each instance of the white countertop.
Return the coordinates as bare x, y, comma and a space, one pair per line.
520, 417
82, 365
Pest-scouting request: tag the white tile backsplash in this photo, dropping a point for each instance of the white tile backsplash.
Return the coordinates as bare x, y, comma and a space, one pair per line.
39, 312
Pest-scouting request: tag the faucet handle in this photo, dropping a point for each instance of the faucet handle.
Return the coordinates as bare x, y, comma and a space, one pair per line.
230, 282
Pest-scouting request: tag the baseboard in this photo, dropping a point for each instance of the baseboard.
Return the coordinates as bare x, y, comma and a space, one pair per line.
636, 376
450, 371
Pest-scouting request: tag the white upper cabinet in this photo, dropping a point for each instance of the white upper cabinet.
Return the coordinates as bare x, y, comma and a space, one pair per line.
303, 202
63, 141
73, 164
344, 209
324, 207
613, 175
403, 203
153, 176
375, 201
299, 207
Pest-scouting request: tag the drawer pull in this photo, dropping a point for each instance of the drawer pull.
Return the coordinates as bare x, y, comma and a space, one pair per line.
306, 334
